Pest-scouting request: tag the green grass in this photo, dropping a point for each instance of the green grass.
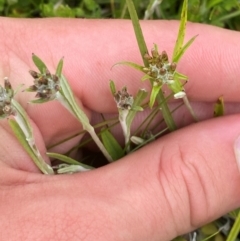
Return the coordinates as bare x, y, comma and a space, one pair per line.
217, 12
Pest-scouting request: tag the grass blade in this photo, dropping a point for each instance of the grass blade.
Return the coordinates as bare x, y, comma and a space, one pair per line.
143, 50
182, 50
181, 31
235, 229
153, 4
138, 31
67, 160
111, 144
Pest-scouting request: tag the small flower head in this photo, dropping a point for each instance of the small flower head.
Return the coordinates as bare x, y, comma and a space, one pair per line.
6, 95
160, 68
45, 84
123, 99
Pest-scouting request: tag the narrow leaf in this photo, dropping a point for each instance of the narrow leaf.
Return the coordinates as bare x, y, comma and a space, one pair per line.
131, 64
235, 229
154, 93
22, 118
67, 160
153, 4
141, 95
59, 68
44, 167
18, 89
112, 87
111, 144
137, 108
68, 96
219, 107
167, 115
39, 63
181, 31
143, 50
146, 77
234, 213
138, 31
182, 50
176, 86
180, 76
38, 101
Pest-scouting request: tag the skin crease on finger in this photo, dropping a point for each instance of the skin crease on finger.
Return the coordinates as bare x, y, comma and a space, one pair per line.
140, 194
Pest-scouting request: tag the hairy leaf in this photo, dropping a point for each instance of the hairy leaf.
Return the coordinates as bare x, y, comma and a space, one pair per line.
111, 144
39, 63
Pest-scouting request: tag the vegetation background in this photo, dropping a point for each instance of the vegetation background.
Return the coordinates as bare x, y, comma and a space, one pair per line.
217, 12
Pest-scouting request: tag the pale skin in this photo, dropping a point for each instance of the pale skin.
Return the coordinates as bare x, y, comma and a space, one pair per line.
168, 188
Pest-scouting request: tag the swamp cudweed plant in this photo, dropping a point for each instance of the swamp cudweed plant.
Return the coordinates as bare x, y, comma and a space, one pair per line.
158, 69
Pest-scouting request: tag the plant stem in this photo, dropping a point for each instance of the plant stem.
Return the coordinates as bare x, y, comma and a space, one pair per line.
86, 125
125, 127
143, 50
166, 112
66, 98
95, 137
189, 107
235, 229
22, 122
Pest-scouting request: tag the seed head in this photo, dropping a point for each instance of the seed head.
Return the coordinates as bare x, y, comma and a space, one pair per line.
159, 67
6, 95
123, 99
45, 84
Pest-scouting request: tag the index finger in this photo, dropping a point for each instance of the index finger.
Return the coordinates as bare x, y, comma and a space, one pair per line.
92, 47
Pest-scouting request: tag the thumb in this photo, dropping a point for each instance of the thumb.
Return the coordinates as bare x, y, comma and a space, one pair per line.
166, 189
176, 184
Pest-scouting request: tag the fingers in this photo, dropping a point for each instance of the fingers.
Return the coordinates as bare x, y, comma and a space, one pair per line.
92, 47
176, 184
211, 63
168, 188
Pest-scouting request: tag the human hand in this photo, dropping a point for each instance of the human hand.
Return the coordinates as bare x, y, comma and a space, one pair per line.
167, 188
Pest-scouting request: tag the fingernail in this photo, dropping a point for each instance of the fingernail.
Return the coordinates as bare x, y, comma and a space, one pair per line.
237, 151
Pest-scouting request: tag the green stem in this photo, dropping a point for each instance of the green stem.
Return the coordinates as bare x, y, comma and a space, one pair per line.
235, 229
143, 50
66, 98
189, 107
95, 137
23, 124
125, 127
167, 116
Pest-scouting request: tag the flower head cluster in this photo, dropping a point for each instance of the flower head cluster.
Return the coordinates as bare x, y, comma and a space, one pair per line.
6, 94
123, 99
160, 69
45, 84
